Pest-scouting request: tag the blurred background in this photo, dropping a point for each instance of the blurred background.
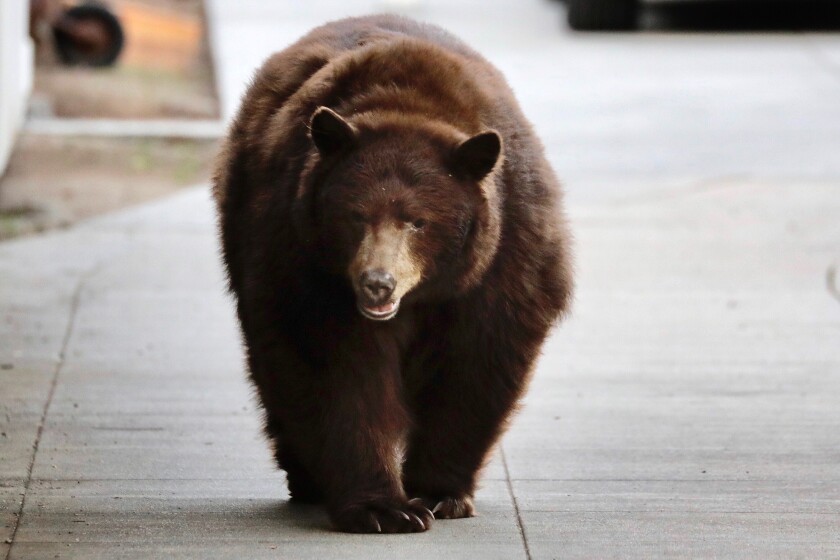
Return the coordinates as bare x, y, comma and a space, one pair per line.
105, 76
122, 101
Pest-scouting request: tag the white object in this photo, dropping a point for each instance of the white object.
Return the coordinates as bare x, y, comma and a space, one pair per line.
16, 67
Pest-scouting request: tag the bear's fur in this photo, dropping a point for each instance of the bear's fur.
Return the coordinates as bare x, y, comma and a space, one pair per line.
394, 239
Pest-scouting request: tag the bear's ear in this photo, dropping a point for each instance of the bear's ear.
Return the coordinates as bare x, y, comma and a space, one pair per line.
330, 133
475, 157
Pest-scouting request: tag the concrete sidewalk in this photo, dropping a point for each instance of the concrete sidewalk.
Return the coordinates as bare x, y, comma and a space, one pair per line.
690, 408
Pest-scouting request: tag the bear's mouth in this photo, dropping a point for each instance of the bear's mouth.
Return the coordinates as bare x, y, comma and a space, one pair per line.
380, 312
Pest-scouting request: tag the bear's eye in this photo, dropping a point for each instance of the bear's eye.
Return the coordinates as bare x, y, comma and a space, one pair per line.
419, 223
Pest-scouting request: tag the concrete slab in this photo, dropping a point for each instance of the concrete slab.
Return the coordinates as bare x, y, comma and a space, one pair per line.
679, 496
10, 496
39, 282
222, 518
681, 535
16, 441
701, 414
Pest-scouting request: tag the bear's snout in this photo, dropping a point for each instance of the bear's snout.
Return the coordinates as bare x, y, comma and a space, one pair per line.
377, 286
375, 294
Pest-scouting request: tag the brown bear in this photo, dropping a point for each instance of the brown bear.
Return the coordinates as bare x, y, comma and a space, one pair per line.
394, 240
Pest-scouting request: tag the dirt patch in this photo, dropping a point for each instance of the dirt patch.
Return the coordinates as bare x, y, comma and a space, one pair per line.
165, 70
56, 181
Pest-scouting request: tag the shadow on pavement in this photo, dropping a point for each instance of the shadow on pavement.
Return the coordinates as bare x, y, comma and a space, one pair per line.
743, 15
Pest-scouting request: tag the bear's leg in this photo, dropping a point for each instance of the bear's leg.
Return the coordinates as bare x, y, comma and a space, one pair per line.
347, 453
302, 487
339, 430
458, 417
364, 425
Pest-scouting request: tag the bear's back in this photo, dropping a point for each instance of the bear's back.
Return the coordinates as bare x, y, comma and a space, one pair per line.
343, 61
369, 64
355, 65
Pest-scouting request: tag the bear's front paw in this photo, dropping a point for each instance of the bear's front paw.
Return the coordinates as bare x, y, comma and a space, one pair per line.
384, 517
449, 507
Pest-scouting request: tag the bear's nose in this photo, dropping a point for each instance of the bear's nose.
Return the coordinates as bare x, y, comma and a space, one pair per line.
377, 286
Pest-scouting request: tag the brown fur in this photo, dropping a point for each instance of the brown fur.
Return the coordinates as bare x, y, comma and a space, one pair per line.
367, 415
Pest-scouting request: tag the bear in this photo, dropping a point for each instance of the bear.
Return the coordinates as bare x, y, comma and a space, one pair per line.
396, 247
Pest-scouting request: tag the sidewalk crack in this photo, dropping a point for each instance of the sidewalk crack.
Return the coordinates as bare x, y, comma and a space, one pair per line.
519, 522
71, 323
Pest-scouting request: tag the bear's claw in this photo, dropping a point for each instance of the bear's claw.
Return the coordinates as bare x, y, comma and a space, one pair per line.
449, 507
377, 517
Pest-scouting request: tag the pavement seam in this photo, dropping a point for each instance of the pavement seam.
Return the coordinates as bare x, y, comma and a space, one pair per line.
71, 323
831, 282
519, 522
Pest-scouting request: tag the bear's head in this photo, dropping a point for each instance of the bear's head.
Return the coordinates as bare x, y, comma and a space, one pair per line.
405, 208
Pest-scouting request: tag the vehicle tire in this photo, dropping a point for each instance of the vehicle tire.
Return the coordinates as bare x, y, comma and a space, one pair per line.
602, 15
109, 36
